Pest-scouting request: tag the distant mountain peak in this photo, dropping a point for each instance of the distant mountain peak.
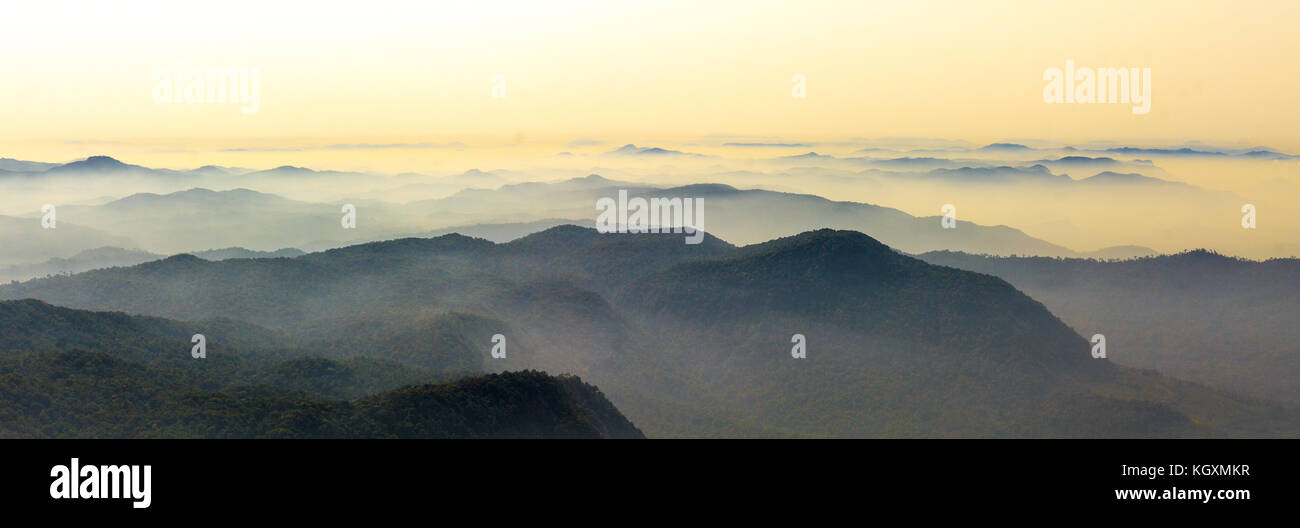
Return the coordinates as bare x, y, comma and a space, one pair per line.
1004, 146
180, 262
631, 149
809, 155
103, 160
1076, 159
1121, 177
192, 194
1185, 151
450, 242
94, 163
826, 243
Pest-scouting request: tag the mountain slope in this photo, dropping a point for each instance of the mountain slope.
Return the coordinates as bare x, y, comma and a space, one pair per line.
93, 395
90, 259
1197, 315
71, 373
25, 241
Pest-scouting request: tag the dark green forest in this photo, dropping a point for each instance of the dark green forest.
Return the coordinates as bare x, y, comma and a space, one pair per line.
71, 373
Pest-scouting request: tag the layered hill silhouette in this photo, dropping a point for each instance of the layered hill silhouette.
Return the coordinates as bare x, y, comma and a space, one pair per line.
199, 218
26, 242
72, 373
696, 340
110, 257
1197, 315
1019, 201
738, 215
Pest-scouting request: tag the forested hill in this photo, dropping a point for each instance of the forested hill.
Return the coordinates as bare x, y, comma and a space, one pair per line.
848, 279
692, 340
72, 373
1198, 315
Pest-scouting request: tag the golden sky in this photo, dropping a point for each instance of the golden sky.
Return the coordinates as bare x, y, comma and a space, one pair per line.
79, 77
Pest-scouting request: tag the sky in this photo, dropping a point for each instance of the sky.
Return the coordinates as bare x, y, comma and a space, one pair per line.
418, 78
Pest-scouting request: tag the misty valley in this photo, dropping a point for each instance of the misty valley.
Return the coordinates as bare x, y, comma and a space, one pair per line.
489, 304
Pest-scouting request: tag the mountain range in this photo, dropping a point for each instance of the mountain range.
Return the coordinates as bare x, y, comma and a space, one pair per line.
697, 340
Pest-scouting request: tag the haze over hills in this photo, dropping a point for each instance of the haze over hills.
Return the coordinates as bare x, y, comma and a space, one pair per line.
1197, 315
745, 216
104, 257
1074, 199
25, 241
200, 218
109, 257
696, 340
70, 373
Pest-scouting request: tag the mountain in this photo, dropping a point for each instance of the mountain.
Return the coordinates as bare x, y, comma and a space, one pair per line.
13, 166
1093, 165
196, 199
241, 253
893, 346
105, 166
1005, 147
1265, 153
743, 216
109, 257
290, 171
430, 187
695, 340
1115, 178
916, 163
1004, 174
523, 405
198, 219
71, 373
219, 171
83, 394
90, 259
1119, 253
502, 233
1197, 315
808, 156
633, 150
25, 241
95, 164
1180, 152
